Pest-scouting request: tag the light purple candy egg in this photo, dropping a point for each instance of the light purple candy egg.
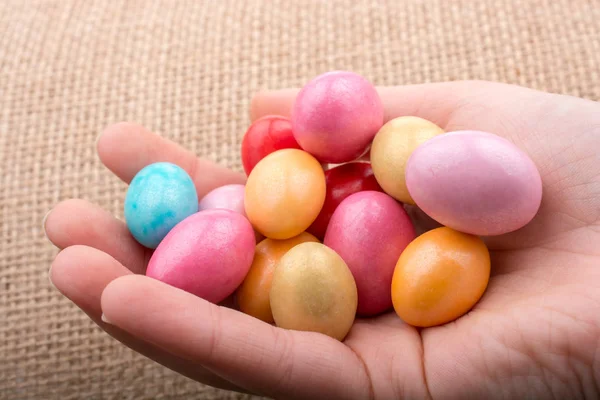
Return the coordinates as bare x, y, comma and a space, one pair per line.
369, 230
474, 182
336, 115
228, 197
207, 254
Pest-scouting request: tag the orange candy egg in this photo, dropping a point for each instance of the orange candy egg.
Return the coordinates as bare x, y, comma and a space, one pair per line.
439, 277
253, 294
285, 193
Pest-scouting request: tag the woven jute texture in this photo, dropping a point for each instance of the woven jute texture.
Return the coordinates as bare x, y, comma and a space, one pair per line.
187, 70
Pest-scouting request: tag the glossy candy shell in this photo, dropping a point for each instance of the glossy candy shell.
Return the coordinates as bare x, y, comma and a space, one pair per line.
336, 115
253, 294
208, 254
391, 149
341, 182
159, 197
369, 230
265, 136
228, 197
439, 277
285, 193
313, 290
474, 182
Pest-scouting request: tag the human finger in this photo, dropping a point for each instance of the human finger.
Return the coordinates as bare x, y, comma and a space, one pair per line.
432, 101
78, 222
81, 273
250, 353
125, 148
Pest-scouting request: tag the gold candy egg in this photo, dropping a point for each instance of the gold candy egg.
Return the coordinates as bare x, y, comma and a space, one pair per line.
313, 290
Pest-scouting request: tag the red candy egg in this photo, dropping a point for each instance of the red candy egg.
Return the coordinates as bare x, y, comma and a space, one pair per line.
266, 135
341, 182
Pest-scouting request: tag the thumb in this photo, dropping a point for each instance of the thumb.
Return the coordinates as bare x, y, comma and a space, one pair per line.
432, 101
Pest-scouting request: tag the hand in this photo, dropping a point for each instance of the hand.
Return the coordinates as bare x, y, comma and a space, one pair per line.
535, 333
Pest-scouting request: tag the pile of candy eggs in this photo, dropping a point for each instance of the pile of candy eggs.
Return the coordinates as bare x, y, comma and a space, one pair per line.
310, 246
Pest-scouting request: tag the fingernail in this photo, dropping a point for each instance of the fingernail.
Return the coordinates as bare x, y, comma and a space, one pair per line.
97, 140
50, 277
104, 319
44, 223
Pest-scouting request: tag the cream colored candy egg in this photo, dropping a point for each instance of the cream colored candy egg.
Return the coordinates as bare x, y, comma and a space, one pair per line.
391, 149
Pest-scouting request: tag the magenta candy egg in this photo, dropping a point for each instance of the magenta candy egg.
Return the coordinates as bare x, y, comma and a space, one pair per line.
207, 254
474, 182
369, 230
336, 115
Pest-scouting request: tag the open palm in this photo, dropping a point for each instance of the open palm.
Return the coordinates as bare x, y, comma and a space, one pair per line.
535, 333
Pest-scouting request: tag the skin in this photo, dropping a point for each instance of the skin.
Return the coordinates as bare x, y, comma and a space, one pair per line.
535, 333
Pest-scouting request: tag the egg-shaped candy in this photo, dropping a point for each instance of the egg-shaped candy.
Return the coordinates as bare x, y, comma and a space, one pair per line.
474, 182
284, 193
229, 197
336, 115
341, 182
264, 136
159, 197
391, 149
369, 230
313, 290
440, 276
253, 294
207, 254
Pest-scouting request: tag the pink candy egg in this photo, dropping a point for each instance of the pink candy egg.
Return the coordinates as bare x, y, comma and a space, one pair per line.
369, 230
474, 182
336, 115
207, 254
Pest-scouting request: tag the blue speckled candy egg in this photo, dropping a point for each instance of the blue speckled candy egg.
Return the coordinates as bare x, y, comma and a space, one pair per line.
159, 197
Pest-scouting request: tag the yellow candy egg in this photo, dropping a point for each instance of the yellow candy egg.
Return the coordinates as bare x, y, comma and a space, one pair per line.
391, 149
313, 290
285, 193
253, 294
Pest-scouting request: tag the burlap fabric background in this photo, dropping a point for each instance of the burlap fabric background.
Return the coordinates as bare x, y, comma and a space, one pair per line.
187, 71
